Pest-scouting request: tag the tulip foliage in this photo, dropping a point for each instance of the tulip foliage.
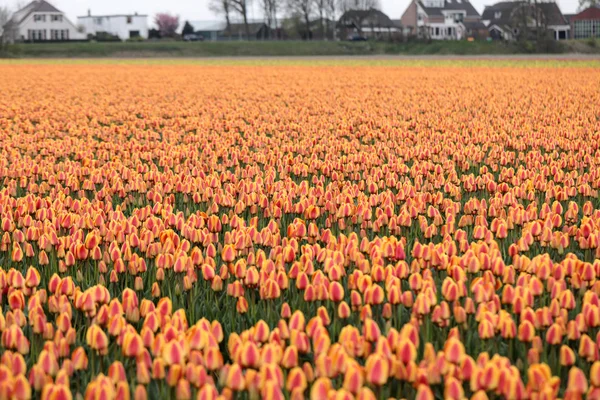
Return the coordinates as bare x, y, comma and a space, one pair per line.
285, 231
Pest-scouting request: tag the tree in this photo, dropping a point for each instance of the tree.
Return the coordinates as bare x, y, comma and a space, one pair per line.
222, 7
241, 6
331, 11
188, 29
583, 4
4, 17
304, 9
359, 5
167, 24
269, 8
321, 6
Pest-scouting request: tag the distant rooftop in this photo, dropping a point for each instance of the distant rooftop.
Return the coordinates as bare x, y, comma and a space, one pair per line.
219, 25
203, 26
112, 15
34, 6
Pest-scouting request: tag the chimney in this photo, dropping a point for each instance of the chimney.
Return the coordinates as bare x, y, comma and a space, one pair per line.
89, 12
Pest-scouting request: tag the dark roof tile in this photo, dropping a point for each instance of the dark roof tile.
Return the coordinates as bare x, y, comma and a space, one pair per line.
371, 16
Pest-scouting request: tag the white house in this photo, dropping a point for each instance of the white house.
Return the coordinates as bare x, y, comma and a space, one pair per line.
124, 26
40, 21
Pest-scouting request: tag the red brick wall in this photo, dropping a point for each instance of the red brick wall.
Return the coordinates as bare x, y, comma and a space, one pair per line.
592, 13
409, 18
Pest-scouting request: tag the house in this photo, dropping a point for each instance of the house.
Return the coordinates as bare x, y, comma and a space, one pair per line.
257, 30
509, 20
40, 21
123, 26
586, 24
370, 23
209, 30
441, 19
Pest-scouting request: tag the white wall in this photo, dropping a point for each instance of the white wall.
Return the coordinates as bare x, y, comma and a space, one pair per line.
115, 24
48, 25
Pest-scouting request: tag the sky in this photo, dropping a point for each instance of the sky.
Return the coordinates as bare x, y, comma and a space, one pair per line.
197, 10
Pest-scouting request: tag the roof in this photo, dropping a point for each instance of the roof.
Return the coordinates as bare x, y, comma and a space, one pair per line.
474, 25
464, 5
44, 6
35, 6
370, 17
240, 29
113, 16
590, 13
208, 26
553, 14
506, 9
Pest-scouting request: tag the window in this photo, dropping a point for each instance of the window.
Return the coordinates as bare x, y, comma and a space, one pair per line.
134, 34
129, 19
39, 17
36, 34
437, 31
458, 17
419, 17
586, 29
59, 34
56, 18
449, 31
497, 14
98, 21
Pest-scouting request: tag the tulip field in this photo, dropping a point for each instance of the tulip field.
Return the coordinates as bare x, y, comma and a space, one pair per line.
299, 230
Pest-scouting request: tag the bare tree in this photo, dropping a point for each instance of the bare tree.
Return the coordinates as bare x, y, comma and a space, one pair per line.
583, 4
241, 7
222, 7
4, 18
368, 4
304, 9
331, 12
321, 6
359, 4
269, 8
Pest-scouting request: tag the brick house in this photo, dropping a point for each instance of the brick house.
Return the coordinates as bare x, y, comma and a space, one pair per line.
586, 24
442, 19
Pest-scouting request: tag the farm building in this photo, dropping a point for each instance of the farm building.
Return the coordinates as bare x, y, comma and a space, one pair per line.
217, 30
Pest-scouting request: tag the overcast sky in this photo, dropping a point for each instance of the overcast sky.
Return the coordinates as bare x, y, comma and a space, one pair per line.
198, 9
